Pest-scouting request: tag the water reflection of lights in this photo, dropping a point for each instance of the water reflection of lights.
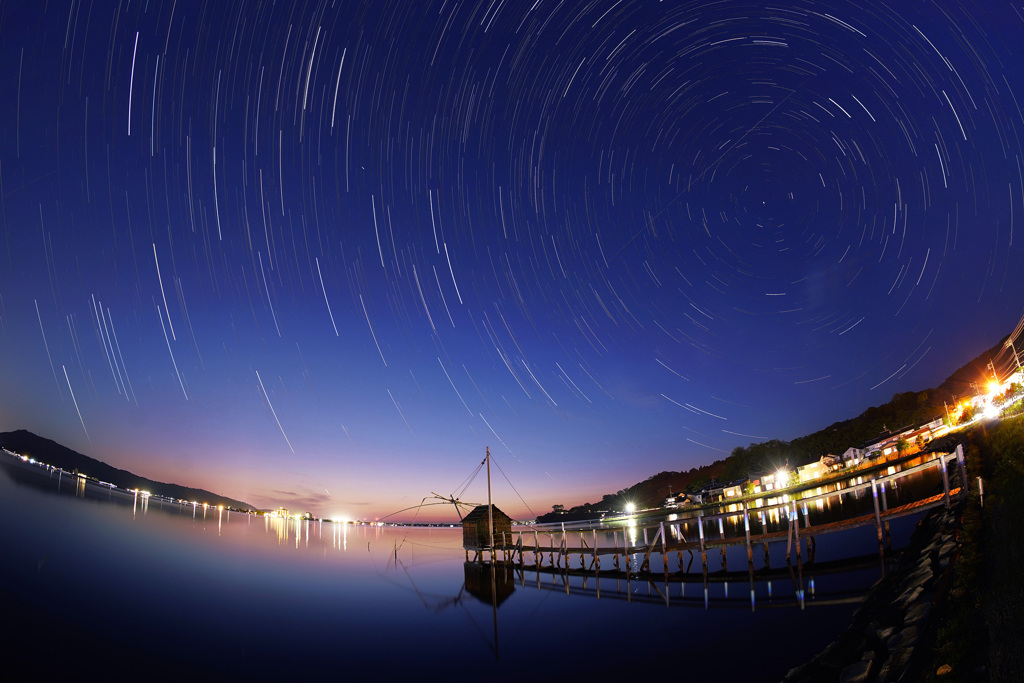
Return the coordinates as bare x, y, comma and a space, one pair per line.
135, 500
278, 526
340, 535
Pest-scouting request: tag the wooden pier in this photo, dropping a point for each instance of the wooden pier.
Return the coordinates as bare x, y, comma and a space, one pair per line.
583, 547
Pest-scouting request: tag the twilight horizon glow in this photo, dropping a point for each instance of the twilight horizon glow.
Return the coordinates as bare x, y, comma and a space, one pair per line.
321, 255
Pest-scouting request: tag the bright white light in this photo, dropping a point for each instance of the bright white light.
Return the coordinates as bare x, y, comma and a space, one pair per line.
630, 508
781, 477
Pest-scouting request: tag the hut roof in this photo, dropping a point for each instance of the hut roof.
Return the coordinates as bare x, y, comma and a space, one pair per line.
479, 515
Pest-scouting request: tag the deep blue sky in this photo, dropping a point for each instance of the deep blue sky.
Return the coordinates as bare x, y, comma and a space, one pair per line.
321, 256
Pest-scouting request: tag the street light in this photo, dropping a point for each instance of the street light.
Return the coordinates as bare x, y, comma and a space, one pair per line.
781, 476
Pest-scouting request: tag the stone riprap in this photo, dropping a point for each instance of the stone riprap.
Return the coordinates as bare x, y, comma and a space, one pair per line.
888, 638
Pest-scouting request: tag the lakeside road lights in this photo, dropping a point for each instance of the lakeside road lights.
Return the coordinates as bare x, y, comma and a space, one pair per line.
630, 508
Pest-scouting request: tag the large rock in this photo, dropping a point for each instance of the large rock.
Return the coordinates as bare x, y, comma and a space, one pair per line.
917, 614
909, 596
895, 665
905, 639
856, 672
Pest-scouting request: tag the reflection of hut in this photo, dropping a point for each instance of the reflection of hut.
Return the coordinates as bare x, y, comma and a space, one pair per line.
475, 535
480, 586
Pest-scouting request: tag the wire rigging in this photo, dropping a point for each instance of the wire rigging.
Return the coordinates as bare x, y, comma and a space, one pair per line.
534, 514
461, 489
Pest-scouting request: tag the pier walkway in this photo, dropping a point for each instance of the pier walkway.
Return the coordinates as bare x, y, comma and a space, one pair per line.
630, 548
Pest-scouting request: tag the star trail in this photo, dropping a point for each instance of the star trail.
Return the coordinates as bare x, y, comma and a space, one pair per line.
281, 249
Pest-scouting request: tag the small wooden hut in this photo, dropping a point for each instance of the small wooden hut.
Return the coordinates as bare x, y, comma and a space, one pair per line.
475, 535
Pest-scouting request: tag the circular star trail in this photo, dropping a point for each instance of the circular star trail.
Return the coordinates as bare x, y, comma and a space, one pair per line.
322, 254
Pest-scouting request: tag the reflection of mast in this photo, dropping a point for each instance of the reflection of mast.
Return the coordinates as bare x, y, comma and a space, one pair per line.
490, 528
491, 585
494, 608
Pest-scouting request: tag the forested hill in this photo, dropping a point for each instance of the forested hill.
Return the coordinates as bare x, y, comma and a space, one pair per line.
52, 453
905, 409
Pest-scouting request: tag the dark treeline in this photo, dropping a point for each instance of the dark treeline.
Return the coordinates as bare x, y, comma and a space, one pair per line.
903, 410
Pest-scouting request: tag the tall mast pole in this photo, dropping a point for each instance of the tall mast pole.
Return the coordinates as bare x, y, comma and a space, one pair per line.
490, 508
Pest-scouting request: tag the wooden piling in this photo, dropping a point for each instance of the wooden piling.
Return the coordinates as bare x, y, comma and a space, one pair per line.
615, 545
625, 548
789, 537
945, 478
796, 531
664, 545
962, 466
878, 516
703, 548
721, 532
746, 530
885, 525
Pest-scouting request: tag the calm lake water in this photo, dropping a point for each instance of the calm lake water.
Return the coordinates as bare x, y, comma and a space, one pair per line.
161, 591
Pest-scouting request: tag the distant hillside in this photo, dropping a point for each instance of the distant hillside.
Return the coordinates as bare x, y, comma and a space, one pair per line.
905, 409
52, 453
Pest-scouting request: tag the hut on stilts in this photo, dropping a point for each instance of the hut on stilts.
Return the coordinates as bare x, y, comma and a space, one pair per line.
476, 535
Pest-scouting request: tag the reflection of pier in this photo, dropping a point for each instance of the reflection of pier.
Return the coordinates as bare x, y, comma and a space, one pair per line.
793, 586
632, 549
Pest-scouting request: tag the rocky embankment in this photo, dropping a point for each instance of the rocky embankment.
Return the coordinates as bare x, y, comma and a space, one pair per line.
891, 632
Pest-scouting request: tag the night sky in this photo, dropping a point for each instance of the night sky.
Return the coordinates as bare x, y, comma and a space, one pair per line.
321, 254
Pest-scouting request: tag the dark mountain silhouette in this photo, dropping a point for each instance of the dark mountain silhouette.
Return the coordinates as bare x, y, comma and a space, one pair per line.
25, 442
903, 410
